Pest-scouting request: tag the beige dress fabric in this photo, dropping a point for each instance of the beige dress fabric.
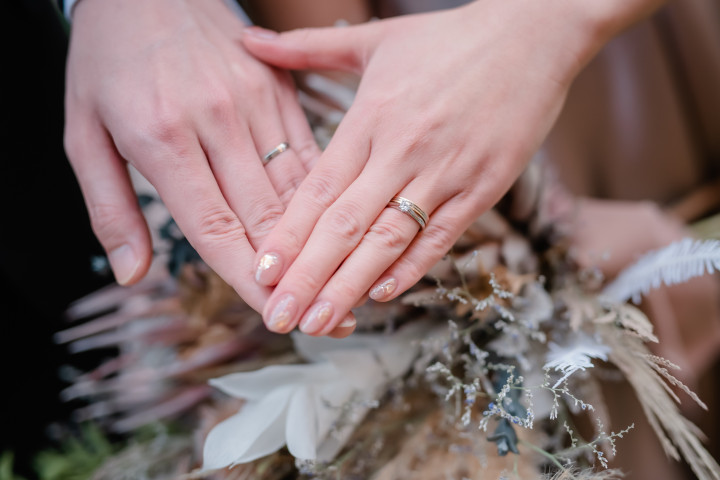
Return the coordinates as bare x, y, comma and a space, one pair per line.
642, 121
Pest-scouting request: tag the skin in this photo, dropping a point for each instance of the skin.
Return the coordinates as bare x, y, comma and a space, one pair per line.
450, 128
170, 88
167, 87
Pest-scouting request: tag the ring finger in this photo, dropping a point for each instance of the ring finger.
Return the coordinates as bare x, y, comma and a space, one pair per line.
232, 152
280, 135
385, 241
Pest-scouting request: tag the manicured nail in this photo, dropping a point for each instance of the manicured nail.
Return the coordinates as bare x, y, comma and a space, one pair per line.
282, 314
267, 269
261, 33
124, 263
318, 317
384, 289
349, 321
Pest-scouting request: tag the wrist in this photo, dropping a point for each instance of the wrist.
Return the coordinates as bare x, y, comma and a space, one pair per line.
594, 23
565, 33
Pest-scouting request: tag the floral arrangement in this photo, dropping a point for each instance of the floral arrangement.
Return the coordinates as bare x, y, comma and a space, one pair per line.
494, 366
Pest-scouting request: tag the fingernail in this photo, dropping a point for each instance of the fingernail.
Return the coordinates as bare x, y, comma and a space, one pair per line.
267, 269
318, 317
124, 263
349, 321
282, 314
384, 289
261, 33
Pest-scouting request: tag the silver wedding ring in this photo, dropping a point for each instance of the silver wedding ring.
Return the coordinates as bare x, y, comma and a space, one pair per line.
410, 209
275, 152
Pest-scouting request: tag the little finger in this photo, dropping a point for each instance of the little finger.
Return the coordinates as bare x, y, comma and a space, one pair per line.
344, 328
448, 222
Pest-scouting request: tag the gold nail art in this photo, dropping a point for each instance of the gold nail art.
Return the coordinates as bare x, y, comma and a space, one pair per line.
383, 289
318, 318
266, 262
282, 314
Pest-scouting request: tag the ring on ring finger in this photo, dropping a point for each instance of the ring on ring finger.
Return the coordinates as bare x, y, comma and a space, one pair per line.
410, 209
275, 152
384, 242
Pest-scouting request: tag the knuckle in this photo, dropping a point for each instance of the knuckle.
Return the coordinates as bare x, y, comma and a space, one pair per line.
342, 222
161, 143
166, 128
409, 269
347, 290
308, 279
220, 105
256, 80
292, 242
438, 238
307, 151
418, 139
217, 225
146, 139
263, 217
319, 189
257, 86
388, 236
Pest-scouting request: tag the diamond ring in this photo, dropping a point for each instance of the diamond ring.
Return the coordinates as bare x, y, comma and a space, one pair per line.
410, 209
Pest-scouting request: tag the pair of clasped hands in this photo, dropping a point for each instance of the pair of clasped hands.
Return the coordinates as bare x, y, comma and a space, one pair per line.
450, 108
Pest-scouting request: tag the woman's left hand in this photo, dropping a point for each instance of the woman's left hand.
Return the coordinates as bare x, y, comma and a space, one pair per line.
450, 108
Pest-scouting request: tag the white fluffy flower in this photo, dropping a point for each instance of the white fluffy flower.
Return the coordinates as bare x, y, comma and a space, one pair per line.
298, 405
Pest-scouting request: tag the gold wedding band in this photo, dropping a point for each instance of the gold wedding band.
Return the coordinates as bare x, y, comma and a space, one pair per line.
275, 152
410, 209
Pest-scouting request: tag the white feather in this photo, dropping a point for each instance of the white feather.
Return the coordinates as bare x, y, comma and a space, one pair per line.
676, 263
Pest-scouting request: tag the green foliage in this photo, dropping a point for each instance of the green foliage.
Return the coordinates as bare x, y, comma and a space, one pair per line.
77, 457
6, 467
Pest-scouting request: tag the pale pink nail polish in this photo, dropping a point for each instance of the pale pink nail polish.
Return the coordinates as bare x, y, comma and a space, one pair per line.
283, 314
267, 269
383, 289
349, 321
319, 315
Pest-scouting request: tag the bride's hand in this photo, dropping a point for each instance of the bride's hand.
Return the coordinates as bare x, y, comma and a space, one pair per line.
450, 108
168, 87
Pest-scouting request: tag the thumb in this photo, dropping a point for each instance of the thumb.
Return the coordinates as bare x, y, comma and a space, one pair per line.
333, 48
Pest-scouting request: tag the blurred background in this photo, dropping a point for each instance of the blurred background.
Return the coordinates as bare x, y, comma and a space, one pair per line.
642, 122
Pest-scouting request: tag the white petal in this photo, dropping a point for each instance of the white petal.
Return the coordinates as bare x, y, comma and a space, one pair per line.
398, 346
301, 428
256, 385
258, 429
314, 348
